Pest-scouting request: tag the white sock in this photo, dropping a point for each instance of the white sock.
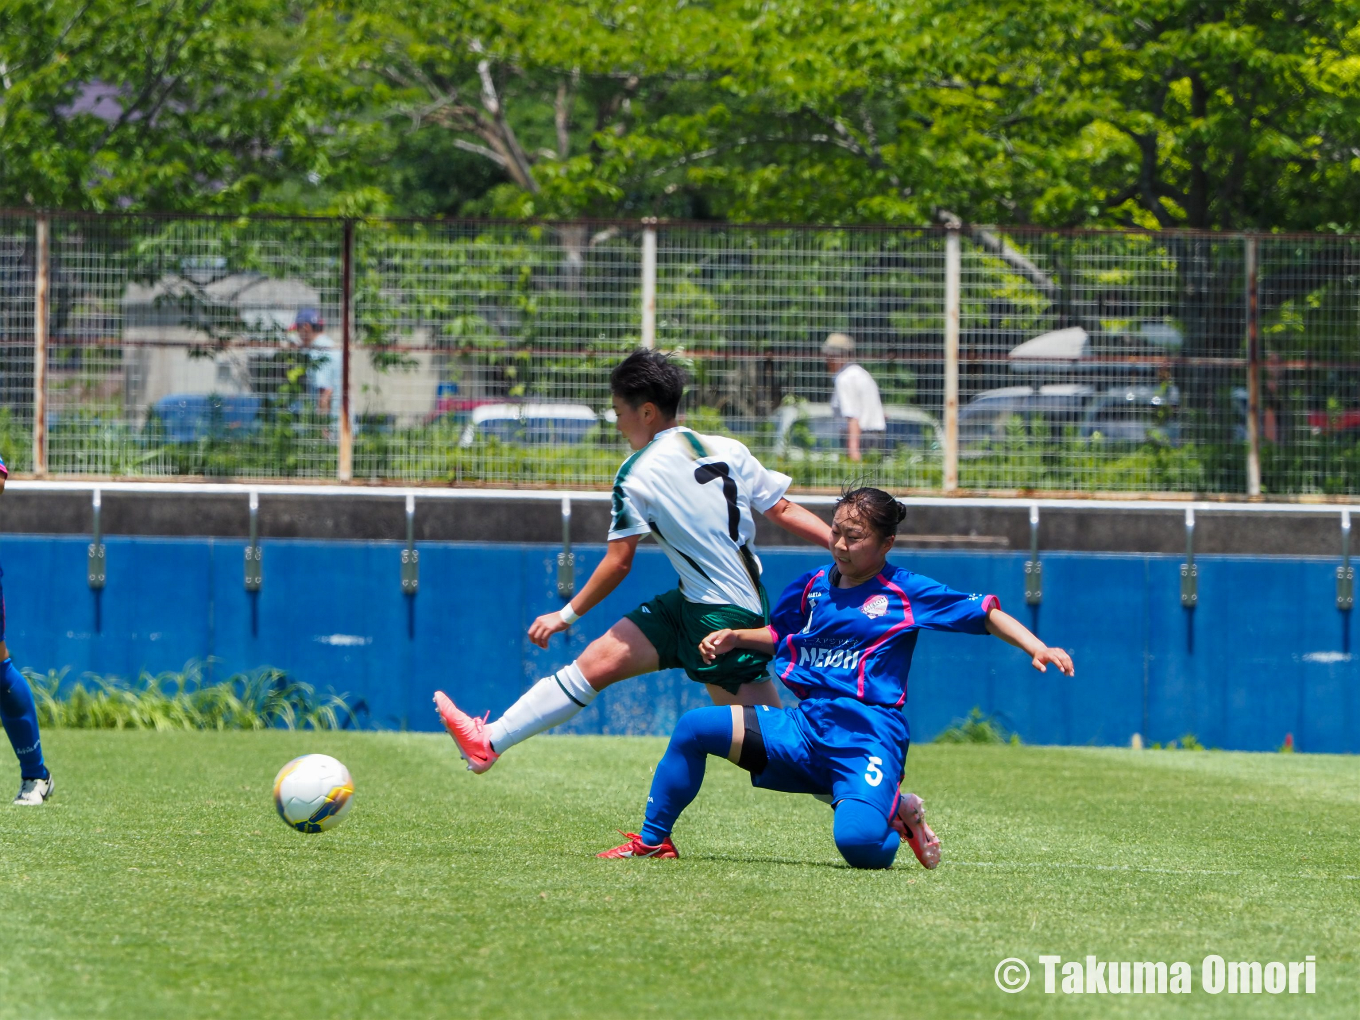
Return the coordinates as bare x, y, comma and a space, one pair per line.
548, 703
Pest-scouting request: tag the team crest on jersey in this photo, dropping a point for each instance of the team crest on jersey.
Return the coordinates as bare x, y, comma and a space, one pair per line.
874, 606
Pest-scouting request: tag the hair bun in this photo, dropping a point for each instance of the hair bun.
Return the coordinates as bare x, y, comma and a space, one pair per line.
901, 510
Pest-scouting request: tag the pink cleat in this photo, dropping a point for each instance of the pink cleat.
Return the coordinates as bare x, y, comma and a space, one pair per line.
910, 822
636, 848
468, 733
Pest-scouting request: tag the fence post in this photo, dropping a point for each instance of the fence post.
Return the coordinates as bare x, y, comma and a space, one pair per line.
953, 271
649, 284
41, 271
1253, 340
345, 459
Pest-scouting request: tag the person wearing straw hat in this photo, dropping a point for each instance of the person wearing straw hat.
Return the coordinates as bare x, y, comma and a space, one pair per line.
854, 397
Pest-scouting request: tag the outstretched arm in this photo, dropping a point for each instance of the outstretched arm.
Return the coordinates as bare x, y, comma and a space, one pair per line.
800, 521
618, 560
719, 642
1013, 632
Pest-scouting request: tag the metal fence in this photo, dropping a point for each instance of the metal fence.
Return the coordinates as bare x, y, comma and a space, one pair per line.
478, 352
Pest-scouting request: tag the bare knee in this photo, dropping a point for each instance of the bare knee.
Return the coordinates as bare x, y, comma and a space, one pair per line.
621, 652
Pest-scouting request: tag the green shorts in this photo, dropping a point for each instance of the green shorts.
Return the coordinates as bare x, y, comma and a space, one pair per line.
675, 626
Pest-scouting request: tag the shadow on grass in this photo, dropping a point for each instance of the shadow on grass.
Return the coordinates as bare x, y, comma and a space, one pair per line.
789, 861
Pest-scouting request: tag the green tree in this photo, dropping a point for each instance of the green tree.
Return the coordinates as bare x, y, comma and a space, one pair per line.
1234, 114
162, 104
1199, 113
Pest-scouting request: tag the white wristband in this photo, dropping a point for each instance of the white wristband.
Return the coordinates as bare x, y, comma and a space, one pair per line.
569, 615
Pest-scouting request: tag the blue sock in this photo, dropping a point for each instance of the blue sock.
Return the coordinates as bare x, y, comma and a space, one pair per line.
863, 836
20, 717
698, 734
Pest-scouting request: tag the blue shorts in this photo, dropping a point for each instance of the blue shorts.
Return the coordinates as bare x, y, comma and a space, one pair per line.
835, 746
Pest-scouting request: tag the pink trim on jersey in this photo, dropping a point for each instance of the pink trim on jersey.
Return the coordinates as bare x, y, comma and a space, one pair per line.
774, 635
809, 588
792, 659
4, 471
907, 621
990, 602
789, 640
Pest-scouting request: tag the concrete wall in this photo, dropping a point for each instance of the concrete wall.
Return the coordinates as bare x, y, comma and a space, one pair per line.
1265, 653
377, 512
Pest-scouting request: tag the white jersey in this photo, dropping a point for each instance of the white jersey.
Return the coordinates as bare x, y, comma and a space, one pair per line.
696, 494
855, 395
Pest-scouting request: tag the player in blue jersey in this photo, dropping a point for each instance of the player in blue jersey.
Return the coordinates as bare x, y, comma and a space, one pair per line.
842, 638
20, 715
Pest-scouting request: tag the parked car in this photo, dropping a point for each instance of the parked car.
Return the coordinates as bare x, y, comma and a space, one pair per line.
808, 429
530, 424
190, 417
984, 419
453, 411
1134, 414
1344, 422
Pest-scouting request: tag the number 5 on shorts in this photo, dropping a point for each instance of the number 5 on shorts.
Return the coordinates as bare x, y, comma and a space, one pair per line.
873, 775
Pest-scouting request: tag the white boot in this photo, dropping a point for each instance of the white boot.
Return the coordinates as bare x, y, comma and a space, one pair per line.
33, 792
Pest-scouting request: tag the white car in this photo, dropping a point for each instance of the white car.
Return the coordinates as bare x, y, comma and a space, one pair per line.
812, 431
530, 424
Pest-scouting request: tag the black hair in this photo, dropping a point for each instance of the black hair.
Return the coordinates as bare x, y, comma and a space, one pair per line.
649, 376
875, 508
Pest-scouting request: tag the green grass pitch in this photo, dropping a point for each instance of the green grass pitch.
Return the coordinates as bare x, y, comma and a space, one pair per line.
159, 883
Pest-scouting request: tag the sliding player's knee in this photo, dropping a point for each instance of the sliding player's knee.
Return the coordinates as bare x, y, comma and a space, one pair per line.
705, 730
863, 835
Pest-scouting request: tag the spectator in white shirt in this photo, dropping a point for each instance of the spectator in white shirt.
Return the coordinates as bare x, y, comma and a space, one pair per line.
854, 396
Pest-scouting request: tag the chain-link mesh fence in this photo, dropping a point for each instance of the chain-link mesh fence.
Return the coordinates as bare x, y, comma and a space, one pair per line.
1102, 362
480, 352
17, 259
753, 306
171, 348
1310, 365
483, 350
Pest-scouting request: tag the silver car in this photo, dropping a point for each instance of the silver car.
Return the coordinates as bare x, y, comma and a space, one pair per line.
807, 430
985, 418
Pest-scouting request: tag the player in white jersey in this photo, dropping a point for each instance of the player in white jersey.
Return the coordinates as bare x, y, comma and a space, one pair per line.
697, 495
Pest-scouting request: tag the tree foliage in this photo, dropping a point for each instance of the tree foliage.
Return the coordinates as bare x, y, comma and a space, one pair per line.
157, 104
1196, 113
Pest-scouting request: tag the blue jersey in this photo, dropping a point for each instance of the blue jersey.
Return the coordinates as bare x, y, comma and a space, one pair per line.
857, 642
4, 473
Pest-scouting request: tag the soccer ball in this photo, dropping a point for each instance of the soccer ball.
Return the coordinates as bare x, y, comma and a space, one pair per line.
313, 793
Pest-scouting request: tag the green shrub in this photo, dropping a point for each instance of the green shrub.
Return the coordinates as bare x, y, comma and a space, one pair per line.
977, 729
264, 698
